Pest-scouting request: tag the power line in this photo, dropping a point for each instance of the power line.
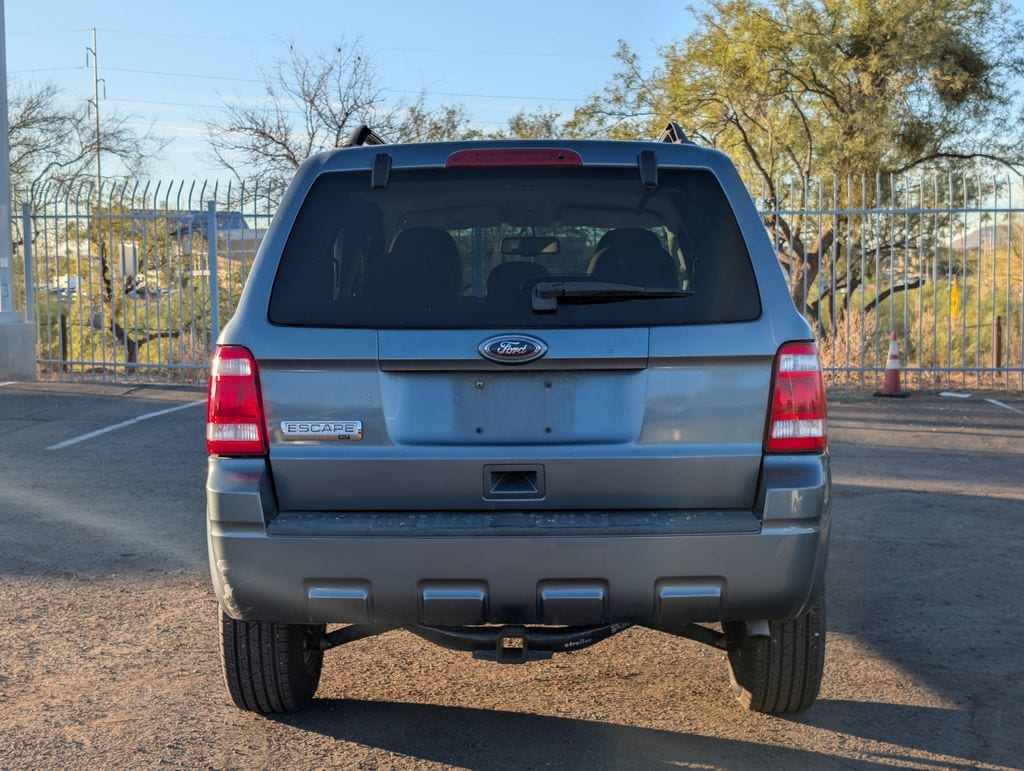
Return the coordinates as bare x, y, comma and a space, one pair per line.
140, 120
272, 38
227, 78
403, 49
226, 38
212, 106
45, 69
196, 75
27, 33
172, 104
466, 95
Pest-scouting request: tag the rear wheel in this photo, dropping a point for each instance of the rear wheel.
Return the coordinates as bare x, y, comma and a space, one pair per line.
780, 673
270, 667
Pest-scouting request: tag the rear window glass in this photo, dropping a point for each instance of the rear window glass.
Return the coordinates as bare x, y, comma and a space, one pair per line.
451, 248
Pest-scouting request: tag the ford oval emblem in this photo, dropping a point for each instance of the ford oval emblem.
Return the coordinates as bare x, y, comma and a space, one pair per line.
512, 349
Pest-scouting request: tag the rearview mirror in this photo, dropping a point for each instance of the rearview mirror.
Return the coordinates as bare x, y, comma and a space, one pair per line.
529, 246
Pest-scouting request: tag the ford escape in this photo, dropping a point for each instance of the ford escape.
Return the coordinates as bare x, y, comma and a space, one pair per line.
515, 397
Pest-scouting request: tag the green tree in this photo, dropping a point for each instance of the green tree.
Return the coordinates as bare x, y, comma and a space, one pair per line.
115, 314
863, 87
793, 86
540, 123
53, 145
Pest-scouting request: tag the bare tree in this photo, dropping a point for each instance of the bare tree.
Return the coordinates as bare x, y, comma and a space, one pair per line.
52, 142
313, 102
853, 88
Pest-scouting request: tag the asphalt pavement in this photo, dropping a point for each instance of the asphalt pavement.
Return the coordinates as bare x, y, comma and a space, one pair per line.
108, 646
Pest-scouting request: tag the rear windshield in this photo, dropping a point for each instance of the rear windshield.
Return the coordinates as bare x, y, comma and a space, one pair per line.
451, 248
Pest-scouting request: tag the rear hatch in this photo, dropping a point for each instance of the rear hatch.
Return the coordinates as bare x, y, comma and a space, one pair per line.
557, 338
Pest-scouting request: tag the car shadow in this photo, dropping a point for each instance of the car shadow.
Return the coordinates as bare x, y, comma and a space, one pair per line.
483, 738
932, 730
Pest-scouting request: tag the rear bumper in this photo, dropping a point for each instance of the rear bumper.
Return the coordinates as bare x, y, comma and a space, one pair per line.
655, 568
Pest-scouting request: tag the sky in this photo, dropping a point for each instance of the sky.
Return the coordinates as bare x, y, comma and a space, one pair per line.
167, 63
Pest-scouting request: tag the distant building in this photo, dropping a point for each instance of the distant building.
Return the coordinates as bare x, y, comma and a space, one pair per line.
236, 241
188, 224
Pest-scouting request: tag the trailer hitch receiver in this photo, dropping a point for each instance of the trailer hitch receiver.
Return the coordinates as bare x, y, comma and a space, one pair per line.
517, 644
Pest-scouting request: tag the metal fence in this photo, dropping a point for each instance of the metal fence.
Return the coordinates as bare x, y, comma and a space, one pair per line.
938, 260
132, 285
134, 288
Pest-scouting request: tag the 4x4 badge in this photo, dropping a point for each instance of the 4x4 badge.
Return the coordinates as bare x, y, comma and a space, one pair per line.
512, 349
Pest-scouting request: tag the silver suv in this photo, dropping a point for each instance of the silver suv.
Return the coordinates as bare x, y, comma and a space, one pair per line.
515, 397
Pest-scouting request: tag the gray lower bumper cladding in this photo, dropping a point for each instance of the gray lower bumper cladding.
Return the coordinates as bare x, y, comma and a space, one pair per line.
663, 569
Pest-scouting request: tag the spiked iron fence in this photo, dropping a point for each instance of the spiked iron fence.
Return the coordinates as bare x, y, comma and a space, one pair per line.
133, 285
136, 288
938, 259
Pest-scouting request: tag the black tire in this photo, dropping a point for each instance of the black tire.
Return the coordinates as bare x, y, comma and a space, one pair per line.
781, 673
270, 667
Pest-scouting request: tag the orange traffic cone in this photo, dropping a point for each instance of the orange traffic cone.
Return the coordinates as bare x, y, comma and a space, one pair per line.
891, 383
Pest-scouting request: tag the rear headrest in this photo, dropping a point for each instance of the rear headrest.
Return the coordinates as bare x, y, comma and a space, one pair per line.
635, 237
508, 277
428, 257
639, 266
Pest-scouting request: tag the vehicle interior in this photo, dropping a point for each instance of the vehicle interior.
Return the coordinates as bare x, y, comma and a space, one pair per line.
474, 257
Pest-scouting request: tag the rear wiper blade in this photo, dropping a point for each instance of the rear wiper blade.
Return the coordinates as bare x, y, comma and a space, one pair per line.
548, 294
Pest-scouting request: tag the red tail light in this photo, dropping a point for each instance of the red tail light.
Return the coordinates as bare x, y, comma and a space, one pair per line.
234, 407
798, 417
497, 157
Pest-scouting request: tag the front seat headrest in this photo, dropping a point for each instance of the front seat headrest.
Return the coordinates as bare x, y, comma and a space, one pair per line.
507, 279
639, 266
426, 259
635, 237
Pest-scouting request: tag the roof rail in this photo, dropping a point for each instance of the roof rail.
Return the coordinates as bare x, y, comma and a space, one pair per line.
674, 133
364, 135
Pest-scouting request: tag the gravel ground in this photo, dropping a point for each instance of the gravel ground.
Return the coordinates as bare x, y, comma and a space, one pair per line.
108, 651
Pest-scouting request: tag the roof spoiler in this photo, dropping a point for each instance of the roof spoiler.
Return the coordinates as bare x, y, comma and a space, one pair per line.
380, 169
674, 133
364, 135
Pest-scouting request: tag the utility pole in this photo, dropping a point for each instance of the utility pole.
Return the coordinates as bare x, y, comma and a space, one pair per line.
6, 250
17, 334
96, 106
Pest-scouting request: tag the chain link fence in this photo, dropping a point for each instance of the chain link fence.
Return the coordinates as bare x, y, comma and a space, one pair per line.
133, 285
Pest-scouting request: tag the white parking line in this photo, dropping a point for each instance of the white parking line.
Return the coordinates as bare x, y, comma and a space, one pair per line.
8, 382
123, 424
1004, 406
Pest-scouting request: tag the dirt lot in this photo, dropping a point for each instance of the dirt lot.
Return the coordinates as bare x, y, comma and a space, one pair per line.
108, 645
